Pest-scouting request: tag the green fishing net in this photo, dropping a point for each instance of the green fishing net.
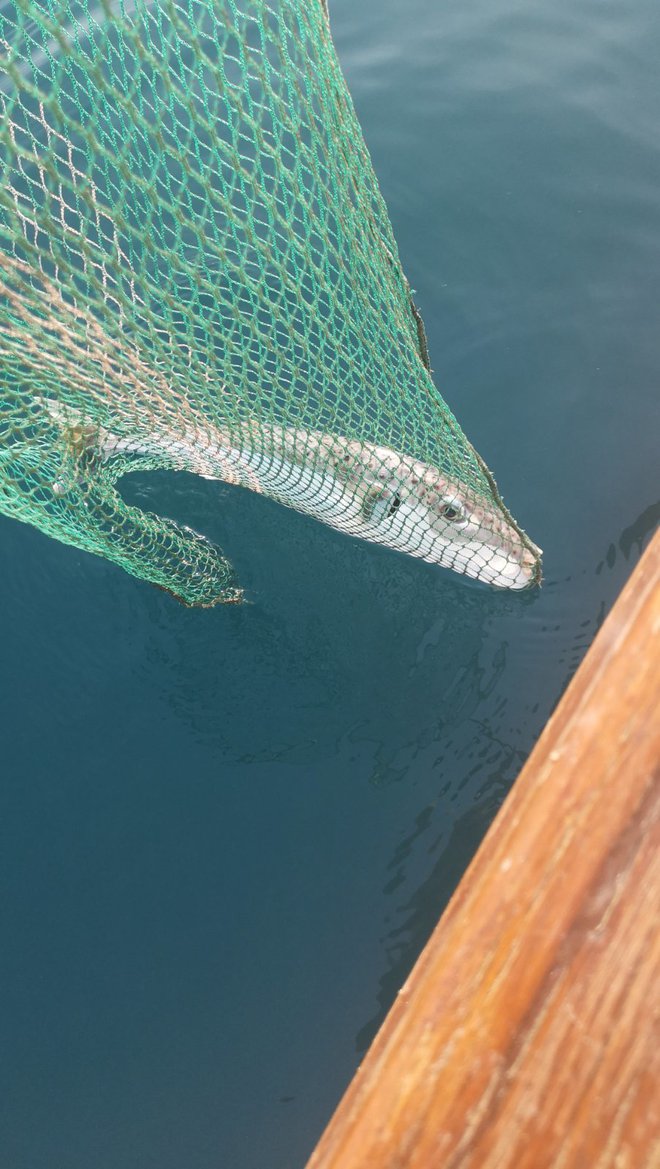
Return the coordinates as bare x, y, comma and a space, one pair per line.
198, 272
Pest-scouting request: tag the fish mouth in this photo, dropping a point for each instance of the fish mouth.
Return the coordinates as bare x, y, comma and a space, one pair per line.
517, 568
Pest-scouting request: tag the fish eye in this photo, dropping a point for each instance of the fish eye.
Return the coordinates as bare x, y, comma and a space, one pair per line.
449, 512
452, 511
396, 502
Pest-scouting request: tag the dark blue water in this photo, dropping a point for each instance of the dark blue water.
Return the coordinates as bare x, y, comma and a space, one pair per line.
225, 836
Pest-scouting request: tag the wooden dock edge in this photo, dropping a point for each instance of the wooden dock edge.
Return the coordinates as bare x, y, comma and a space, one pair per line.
527, 1035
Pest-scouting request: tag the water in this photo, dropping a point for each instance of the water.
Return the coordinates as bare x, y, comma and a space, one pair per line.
225, 836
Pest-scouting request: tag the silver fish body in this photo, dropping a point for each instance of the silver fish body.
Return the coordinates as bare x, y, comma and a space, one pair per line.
363, 489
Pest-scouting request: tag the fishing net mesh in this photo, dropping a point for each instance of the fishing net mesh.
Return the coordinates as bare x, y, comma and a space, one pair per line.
193, 244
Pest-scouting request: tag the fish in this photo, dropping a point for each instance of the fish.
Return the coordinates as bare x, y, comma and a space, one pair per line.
360, 488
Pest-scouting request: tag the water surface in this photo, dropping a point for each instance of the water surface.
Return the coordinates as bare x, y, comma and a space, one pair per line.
225, 836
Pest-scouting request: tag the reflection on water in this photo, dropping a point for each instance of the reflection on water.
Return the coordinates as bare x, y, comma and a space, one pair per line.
634, 538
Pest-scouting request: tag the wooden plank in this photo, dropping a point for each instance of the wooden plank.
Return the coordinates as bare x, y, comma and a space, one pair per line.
527, 1036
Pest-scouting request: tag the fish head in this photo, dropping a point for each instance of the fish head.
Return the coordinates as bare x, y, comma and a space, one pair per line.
417, 509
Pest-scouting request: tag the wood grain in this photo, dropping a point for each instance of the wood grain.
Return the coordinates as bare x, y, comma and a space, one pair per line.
527, 1036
